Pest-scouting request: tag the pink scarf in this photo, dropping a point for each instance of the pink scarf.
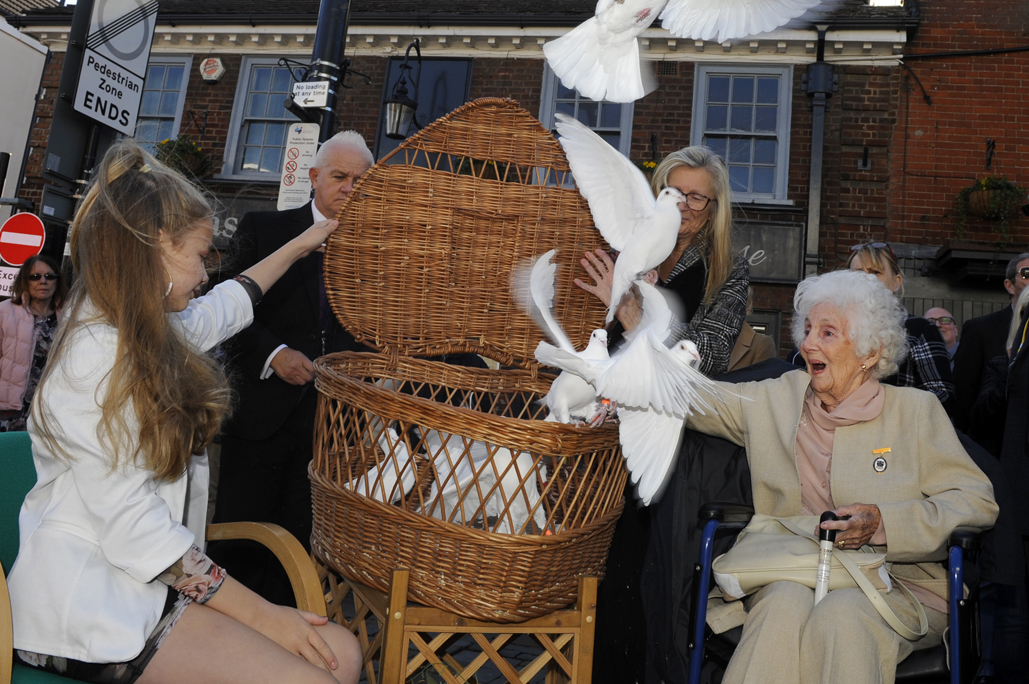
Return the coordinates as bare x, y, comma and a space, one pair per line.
815, 439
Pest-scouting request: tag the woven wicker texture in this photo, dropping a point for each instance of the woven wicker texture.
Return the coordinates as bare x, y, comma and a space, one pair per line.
446, 470
431, 233
498, 520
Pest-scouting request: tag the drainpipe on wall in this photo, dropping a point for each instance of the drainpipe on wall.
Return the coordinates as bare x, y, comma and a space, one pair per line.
819, 82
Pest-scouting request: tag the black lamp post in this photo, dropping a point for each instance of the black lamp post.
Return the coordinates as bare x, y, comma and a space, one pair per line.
400, 108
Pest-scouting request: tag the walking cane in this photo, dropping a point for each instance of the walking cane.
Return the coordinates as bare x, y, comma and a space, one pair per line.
826, 539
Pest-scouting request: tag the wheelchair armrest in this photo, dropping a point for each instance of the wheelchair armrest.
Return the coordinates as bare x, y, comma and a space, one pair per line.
307, 587
726, 512
967, 538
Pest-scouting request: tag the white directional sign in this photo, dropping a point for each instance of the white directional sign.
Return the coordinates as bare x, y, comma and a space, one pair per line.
295, 184
114, 62
311, 93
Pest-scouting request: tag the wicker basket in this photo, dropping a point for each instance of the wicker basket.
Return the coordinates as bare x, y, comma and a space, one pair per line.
449, 470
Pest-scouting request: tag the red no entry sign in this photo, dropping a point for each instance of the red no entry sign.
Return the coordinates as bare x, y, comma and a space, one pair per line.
21, 237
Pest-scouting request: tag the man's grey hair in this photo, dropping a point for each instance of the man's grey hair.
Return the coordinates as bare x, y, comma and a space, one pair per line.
1012, 268
874, 316
345, 139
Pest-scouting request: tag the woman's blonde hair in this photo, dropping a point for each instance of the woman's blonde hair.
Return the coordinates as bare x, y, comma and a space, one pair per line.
880, 255
714, 239
177, 395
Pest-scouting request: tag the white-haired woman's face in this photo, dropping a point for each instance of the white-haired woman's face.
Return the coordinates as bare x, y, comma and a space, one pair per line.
696, 182
831, 357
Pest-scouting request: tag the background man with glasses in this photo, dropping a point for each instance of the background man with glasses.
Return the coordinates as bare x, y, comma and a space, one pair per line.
983, 338
948, 327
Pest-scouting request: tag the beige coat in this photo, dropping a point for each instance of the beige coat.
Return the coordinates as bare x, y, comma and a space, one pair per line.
751, 347
929, 485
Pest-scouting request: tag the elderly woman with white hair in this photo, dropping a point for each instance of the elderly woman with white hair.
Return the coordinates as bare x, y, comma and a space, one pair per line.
835, 439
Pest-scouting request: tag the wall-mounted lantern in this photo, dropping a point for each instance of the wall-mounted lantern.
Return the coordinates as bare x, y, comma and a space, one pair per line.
400, 108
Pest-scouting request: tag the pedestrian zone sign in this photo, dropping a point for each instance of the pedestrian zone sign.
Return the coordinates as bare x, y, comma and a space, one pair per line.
114, 62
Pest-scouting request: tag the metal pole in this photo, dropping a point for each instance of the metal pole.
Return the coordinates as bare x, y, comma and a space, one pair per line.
330, 40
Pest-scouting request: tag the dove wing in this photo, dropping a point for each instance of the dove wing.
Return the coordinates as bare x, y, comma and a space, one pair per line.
549, 355
723, 20
618, 193
657, 311
541, 286
644, 374
650, 443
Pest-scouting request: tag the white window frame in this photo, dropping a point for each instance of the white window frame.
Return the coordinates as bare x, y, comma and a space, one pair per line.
232, 142
548, 106
782, 162
185, 61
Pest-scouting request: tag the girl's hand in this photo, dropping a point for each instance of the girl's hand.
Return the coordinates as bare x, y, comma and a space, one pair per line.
313, 239
294, 631
858, 530
599, 265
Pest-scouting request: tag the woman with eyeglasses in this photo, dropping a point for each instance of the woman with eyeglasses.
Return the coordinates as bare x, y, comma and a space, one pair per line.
701, 269
712, 285
28, 321
927, 365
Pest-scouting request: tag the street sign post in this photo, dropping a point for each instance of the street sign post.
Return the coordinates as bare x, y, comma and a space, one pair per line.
21, 237
294, 183
311, 93
114, 62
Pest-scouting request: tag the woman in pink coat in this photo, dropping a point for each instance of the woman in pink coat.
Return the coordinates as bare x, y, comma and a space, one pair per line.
28, 321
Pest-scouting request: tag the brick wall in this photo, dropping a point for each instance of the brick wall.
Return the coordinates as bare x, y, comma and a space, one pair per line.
940, 148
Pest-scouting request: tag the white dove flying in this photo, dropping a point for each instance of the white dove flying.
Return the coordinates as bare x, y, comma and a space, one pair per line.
641, 228
570, 399
655, 387
600, 58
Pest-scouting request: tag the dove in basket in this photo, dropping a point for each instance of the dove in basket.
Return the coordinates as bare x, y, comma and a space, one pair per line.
601, 57
641, 228
465, 478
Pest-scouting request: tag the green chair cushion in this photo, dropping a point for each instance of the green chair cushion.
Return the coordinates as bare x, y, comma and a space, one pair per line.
30, 675
19, 476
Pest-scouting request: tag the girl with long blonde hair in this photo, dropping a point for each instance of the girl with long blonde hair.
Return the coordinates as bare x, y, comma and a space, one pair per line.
111, 582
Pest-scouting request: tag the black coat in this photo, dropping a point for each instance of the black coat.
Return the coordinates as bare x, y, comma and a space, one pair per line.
982, 339
1014, 455
289, 314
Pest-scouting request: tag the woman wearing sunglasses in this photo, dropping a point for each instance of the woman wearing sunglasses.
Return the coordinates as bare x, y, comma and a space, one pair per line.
927, 366
28, 321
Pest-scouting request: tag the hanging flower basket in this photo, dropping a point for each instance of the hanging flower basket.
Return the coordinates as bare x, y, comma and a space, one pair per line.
186, 156
993, 198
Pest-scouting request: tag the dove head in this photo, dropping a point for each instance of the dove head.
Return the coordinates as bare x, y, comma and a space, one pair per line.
599, 337
671, 196
685, 348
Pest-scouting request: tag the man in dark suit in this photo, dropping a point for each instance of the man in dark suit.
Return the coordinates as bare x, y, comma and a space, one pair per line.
982, 339
267, 442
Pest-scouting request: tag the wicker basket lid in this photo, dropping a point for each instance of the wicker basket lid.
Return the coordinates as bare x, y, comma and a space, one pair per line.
430, 235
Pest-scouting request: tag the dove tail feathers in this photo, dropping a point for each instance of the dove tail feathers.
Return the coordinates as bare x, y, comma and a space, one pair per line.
599, 71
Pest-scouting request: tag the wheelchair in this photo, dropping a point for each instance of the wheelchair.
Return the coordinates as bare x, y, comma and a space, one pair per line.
957, 661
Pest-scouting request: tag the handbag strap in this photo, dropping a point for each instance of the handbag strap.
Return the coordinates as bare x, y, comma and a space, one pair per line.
871, 592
